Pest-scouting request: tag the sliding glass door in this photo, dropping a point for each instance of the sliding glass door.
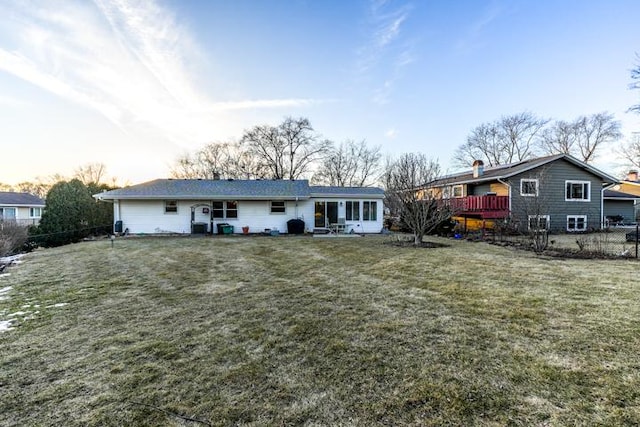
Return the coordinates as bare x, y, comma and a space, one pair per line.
325, 213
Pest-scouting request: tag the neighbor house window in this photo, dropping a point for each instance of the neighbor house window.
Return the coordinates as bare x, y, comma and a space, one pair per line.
170, 206
458, 191
576, 222
538, 222
352, 211
225, 209
578, 191
7, 213
278, 206
35, 212
369, 211
529, 187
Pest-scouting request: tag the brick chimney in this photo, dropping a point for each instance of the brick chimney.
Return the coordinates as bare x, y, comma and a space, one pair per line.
478, 168
632, 175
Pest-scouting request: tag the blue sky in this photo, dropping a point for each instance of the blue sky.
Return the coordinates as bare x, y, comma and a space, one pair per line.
135, 85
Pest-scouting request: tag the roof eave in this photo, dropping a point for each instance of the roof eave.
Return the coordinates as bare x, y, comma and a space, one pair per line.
197, 197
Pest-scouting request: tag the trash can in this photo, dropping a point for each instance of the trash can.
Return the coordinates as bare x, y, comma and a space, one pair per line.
220, 227
295, 226
225, 228
117, 227
199, 228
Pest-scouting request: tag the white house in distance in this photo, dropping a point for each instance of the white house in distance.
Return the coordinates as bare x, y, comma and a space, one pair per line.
20, 208
197, 206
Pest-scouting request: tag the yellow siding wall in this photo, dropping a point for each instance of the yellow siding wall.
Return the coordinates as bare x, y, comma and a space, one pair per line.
628, 188
474, 224
499, 189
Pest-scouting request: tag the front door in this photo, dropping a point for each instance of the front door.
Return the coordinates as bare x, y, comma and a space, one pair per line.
326, 213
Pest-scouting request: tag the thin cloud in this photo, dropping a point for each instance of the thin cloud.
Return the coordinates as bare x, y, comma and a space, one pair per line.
385, 51
478, 27
391, 133
384, 28
123, 58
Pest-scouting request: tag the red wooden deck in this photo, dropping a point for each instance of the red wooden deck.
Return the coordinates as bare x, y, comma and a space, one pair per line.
481, 206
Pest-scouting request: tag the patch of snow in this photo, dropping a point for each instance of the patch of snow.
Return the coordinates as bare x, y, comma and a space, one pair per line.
5, 325
10, 259
18, 313
5, 289
60, 304
5, 274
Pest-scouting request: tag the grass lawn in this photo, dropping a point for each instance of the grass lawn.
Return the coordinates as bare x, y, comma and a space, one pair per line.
302, 331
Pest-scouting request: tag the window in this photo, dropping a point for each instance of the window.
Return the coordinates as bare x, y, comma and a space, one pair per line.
35, 212
7, 213
232, 209
369, 211
352, 211
538, 222
578, 191
529, 187
458, 191
224, 210
576, 222
278, 206
170, 206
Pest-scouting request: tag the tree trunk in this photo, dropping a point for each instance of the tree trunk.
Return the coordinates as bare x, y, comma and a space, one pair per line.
417, 239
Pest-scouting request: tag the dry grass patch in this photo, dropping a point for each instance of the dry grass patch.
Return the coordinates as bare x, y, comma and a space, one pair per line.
263, 331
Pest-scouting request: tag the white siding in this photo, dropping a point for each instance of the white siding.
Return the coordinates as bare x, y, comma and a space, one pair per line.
148, 216
141, 216
359, 226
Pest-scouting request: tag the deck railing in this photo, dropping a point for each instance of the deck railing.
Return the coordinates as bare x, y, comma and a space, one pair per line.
480, 204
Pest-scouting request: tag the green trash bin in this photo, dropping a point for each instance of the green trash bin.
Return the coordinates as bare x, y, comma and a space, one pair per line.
227, 229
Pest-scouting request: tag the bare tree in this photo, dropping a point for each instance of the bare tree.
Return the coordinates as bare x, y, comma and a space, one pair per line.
264, 143
530, 209
631, 150
207, 163
582, 137
509, 139
420, 209
91, 173
351, 164
38, 187
635, 84
218, 160
559, 138
593, 132
288, 150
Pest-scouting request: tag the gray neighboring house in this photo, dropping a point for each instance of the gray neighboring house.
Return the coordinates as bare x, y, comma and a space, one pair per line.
20, 208
198, 205
559, 193
622, 201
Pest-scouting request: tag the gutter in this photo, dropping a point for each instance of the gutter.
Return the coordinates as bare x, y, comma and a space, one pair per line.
198, 197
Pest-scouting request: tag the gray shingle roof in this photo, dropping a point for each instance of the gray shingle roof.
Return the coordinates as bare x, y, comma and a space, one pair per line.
511, 169
612, 194
9, 198
210, 189
237, 189
320, 191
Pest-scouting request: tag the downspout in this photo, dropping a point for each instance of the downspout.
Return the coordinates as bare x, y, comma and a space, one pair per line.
508, 190
116, 210
602, 221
